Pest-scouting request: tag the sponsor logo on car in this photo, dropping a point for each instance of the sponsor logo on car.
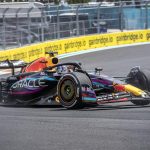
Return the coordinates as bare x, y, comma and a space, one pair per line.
33, 83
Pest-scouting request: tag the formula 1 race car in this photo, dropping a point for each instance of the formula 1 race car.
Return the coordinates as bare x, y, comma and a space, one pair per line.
67, 84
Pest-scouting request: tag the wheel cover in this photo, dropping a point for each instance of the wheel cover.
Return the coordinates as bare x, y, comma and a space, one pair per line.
68, 90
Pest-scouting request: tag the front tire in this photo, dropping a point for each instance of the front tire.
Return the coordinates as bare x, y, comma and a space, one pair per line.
141, 79
69, 89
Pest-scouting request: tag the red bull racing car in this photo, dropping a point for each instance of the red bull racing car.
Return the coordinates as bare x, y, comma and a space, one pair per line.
69, 85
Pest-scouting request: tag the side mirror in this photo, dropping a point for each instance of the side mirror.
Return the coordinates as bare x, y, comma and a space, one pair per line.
98, 70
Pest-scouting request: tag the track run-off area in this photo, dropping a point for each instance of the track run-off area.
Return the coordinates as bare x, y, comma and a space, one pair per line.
119, 126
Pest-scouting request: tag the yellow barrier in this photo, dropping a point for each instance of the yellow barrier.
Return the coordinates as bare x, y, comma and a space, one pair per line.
29, 53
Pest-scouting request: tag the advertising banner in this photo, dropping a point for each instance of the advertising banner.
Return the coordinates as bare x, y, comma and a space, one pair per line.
62, 46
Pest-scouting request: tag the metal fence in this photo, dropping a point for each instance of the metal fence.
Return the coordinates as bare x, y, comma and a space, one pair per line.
22, 26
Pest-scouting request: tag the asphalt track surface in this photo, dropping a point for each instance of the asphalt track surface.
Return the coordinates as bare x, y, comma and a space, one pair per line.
121, 126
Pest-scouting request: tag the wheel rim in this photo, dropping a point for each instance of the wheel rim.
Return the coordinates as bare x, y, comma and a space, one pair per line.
68, 91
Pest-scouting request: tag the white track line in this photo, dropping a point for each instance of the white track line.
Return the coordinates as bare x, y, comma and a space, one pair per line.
99, 49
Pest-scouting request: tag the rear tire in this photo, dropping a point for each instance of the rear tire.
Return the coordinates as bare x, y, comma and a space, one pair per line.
141, 79
69, 89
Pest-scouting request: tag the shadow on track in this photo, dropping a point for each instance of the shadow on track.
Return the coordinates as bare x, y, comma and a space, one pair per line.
89, 108
110, 107
103, 107
31, 106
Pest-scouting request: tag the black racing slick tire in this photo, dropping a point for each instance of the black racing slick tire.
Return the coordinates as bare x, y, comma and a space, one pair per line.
140, 78
69, 89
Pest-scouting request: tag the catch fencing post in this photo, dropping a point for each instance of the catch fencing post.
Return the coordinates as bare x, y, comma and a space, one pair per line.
121, 16
17, 27
58, 24
146, 15
98, 18
77, 19
42, 24
4, 28
29, 25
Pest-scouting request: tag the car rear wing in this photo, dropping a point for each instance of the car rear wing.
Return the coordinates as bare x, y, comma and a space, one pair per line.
12, 64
